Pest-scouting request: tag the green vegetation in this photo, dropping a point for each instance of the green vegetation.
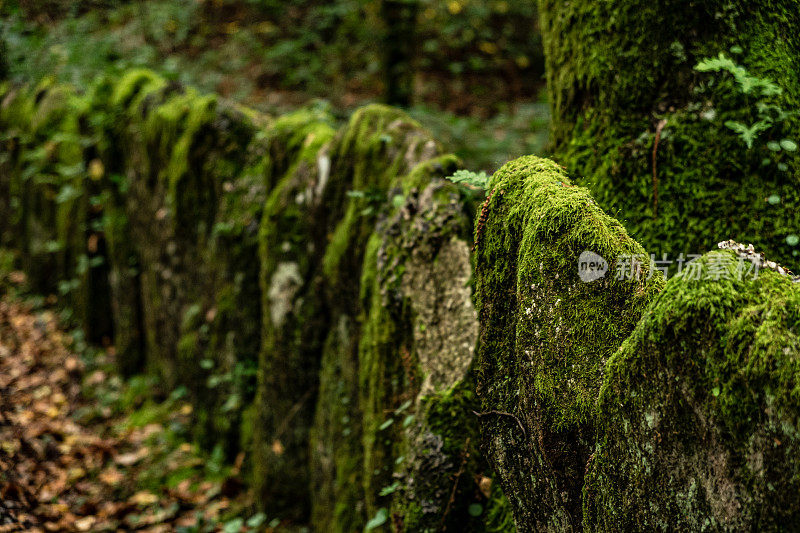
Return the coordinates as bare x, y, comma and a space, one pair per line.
473, 61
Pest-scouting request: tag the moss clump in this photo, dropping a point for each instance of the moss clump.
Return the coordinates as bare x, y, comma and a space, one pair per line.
654, 144
697, 417
546, 334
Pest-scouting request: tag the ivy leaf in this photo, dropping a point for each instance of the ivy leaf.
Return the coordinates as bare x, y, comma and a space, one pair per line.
385, 491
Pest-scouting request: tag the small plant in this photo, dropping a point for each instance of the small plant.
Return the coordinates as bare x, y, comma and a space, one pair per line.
762, 88
473, 179
747, 83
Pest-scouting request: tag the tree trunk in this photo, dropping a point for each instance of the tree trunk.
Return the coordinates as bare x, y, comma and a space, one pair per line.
655, 138
400, 19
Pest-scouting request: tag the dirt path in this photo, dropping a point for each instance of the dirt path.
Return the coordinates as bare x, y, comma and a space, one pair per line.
72, 458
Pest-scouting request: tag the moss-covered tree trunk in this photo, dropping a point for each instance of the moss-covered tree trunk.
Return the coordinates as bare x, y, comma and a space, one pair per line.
660, 142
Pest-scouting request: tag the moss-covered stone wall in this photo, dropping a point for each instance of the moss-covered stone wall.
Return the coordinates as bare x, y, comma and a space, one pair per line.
308, 284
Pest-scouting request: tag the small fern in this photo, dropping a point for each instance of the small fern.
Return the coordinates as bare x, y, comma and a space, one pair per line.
747, 83
769, 114
468, 177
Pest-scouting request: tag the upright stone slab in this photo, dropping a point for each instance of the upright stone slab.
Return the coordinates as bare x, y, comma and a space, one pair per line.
663, 145
293, 235
182, 230
698, 416
421, 461
558, 288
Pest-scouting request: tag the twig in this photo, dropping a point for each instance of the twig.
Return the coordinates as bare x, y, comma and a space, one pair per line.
482, 220
501, 413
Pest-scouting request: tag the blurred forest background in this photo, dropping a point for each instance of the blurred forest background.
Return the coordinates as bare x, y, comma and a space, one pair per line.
463, 68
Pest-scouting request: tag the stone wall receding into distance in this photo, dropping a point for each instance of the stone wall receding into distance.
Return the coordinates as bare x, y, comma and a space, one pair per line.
392, 349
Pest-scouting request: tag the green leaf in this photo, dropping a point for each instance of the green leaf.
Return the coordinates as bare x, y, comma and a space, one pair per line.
774, 199
233, 526
67, 193
70, 171
788, 145
378, 520
792, 240
480, 180
385, 491
715, 391
774, 146
747, 134
475, 509
386, 424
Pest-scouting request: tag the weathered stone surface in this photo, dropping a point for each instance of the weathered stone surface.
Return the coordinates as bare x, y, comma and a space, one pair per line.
698, 414
545, 335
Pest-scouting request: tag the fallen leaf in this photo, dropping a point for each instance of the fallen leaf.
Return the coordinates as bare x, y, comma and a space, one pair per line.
143, 498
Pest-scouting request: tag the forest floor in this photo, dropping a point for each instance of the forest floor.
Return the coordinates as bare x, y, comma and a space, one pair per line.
78, 454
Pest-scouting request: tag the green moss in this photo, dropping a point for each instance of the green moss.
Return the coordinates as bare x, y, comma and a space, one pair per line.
419, 431
698, 426
652, 143
134, 86
546, 334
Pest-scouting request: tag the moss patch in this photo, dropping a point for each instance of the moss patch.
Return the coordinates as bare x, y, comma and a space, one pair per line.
653, 144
